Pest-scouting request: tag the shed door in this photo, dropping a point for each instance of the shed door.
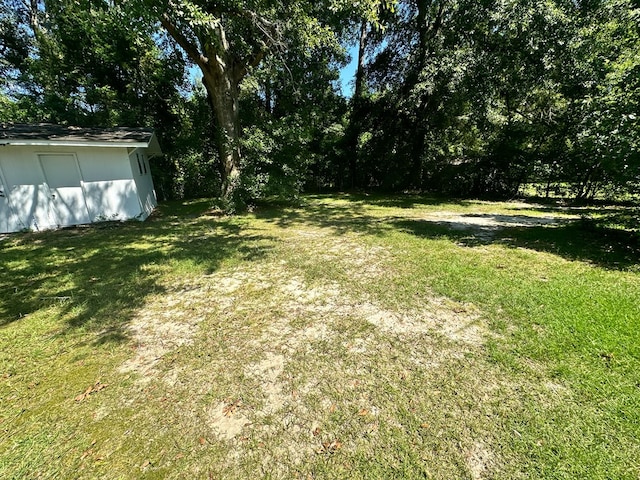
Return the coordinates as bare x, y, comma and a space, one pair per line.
26, 192
65, 184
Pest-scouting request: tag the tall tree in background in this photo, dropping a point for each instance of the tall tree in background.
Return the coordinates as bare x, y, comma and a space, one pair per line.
225, 40
228, 40
477, 98
364, 25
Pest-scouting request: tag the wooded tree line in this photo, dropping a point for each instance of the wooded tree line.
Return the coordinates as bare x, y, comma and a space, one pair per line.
454, 96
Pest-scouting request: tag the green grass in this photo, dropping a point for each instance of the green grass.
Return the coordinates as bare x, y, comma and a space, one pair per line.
346, 337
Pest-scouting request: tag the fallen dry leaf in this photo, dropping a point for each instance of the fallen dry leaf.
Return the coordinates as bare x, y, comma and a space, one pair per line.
330, 447
363, 412
96, 387
231, 408
202, 440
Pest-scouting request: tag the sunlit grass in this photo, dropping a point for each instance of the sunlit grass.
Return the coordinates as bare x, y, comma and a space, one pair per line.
348, 337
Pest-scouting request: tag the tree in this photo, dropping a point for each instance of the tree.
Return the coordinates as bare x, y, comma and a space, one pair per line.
478, 98
228, 40
367, 26
603, 100
465, 97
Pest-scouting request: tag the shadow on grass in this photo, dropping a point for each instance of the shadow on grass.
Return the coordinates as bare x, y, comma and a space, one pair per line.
341, 218
393, 201
584, 240
578, 240
346, 212
99, 275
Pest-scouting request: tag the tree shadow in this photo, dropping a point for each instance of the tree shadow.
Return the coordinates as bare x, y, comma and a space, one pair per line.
346, 212
98, 276
404, 201
574, 240
340, 218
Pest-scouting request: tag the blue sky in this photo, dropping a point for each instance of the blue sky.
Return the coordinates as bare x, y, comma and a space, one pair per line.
348, 73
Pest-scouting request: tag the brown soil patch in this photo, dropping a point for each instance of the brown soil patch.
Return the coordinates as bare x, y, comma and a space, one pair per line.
479, 459
294, 319
488, 224
226, 421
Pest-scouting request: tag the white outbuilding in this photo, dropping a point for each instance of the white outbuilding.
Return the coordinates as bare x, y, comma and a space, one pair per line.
54, 176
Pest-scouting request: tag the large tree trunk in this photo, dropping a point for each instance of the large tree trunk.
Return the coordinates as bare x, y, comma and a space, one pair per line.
360, 78
222, 73
429, 21
223, 92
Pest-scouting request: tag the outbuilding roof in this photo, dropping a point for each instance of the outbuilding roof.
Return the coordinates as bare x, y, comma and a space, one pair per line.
42, 134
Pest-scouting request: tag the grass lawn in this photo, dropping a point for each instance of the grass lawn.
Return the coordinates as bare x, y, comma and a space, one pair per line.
349, 337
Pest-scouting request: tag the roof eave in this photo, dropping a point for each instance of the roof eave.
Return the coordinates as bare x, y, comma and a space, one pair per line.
49, 143
154, 146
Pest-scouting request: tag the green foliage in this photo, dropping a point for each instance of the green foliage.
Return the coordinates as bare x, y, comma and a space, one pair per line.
462, 97
477, 98
95, 66
287, 107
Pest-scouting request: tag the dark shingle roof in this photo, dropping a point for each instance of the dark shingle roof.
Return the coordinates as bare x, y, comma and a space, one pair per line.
58, 133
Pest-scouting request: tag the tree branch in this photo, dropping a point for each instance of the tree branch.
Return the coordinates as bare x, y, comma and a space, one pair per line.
271, 37
188, 46
253, 62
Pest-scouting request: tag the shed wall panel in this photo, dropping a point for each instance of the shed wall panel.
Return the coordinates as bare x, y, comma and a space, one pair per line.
112, 200
63, 178
9, 222
142, 175
104, 164
106, 186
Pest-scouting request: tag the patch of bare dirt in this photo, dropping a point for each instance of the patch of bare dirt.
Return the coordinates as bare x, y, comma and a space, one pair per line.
301, 316
479, 459
487, 224
160, 328
363, 261
171, 320
226, 420
268, 372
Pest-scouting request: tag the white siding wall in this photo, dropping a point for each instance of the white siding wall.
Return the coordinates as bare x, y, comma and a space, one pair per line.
9, 221
142, 175
112, 188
